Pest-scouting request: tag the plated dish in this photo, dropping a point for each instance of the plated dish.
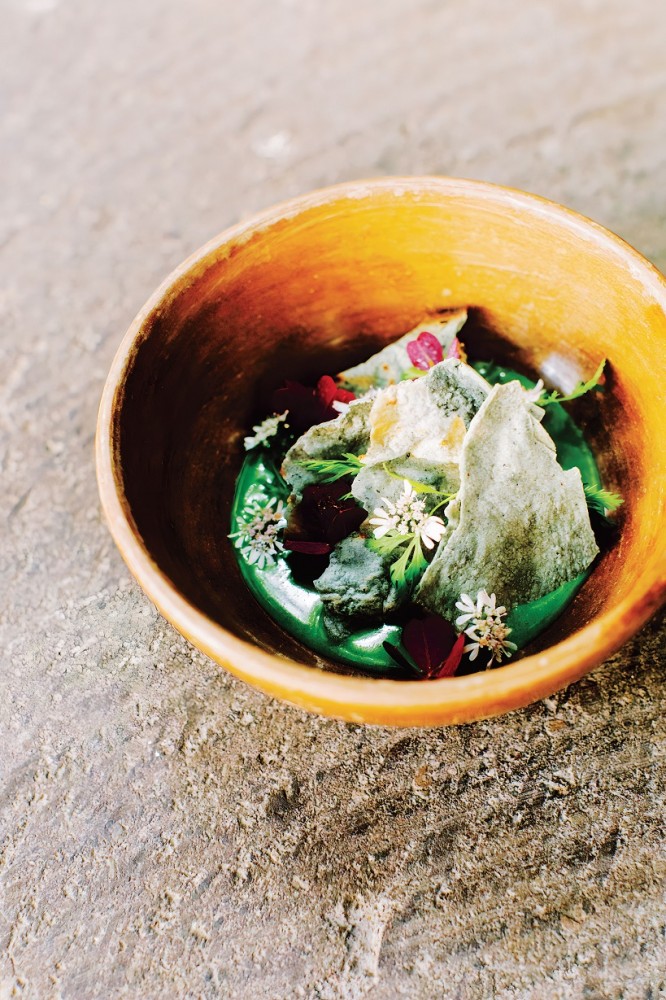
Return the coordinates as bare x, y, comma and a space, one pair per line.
419, 515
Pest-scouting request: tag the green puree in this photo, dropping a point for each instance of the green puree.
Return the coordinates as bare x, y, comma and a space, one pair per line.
297, 608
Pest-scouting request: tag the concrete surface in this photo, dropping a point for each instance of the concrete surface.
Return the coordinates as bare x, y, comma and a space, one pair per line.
165, 831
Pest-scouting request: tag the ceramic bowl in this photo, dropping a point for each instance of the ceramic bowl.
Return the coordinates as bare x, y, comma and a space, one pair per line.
318, 283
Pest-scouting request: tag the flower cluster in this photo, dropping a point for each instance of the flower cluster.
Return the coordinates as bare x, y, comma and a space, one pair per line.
258, 533
407, 516
266, 430
485, 627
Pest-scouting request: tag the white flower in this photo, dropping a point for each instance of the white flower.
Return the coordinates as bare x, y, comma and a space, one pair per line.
265, 430
407, 516
257, 535
431, 531
534, 394
485, 626
384, 519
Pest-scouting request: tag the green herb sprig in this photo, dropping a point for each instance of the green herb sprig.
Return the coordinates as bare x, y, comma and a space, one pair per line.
594, 383
601, 500
411, 562
329, 470
419, 487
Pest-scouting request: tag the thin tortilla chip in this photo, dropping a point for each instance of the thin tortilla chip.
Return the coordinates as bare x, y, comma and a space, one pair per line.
347, 433
519, 527
388, 366
417, 429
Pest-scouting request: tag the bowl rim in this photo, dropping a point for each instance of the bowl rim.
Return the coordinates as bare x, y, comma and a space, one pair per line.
354, 698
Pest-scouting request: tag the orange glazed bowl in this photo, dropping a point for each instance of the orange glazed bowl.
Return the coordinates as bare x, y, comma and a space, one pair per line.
317, 284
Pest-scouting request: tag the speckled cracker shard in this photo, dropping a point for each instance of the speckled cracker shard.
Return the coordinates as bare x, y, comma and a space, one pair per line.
347, 433
417, 429
519, 526
388, 365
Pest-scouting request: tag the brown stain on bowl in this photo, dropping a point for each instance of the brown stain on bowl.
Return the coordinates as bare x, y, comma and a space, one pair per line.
317, 284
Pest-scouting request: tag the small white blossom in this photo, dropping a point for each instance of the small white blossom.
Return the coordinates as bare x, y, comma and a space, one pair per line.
257, 534
407, 516
534, 394
485, 626
431, 531
267, 429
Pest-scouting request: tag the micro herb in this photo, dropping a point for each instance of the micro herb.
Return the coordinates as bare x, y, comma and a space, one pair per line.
419, 487
405, 527
547, 398
329, 470
601, 500
411, 562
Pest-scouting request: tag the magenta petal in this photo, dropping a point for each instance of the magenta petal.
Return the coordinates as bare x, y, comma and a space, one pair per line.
454, 349
425, 351
431, 346
429, 642
344, 396
326, 389
417, 355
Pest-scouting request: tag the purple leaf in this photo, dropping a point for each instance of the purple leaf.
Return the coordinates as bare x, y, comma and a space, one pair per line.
307, 406
452, 662
307, 548
429, 641
323, 516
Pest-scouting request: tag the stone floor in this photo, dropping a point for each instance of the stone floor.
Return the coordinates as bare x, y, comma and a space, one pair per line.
165, 831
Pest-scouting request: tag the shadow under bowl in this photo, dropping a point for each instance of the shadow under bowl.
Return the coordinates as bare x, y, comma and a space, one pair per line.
319, 283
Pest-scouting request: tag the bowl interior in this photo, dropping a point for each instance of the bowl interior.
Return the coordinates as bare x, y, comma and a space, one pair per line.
324, 284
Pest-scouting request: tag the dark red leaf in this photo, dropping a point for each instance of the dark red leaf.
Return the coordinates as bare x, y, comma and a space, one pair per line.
429, 641
307, 406
452, 662
425, 351
323, 516
307, 548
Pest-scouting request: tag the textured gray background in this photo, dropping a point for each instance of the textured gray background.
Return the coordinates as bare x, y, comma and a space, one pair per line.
165, 831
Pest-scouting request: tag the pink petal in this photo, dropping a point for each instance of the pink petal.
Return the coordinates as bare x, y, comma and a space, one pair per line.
425, 351
454, 349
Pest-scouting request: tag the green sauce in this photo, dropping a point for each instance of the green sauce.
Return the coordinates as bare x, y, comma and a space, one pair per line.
297, 608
